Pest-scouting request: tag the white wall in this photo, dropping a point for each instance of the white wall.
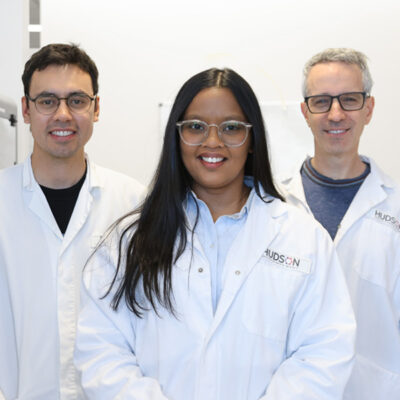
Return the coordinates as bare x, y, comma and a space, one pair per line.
145, 50
13, 54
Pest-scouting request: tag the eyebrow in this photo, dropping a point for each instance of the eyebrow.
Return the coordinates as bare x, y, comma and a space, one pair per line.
328, 94
228, 118
47, 93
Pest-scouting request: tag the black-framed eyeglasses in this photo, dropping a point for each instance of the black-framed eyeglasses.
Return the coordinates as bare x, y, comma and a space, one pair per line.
322, 103
232, 133
48, 103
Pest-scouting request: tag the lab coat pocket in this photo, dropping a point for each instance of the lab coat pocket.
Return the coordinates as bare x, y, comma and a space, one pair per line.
378, 264
269, 294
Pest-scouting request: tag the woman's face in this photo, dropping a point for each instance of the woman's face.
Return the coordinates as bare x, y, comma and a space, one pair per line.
213, 166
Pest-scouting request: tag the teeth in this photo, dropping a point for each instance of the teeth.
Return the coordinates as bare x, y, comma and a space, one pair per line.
212, 159
62, 133
337, 131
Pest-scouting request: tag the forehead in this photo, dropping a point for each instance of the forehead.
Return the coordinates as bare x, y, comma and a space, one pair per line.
214, 104
334, 78
61, 80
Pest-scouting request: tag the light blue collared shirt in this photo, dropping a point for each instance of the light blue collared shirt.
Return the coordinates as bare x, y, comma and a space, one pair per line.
216, 238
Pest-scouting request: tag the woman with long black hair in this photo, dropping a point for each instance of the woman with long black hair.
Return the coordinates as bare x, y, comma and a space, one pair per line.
215, 288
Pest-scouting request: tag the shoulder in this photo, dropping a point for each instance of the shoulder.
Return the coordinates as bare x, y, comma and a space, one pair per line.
381, 179
114, 177
11, 179
115, 183
11, 172
292, 219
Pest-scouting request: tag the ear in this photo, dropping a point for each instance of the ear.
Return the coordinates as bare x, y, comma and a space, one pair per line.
26, 112
96, 109
369, 107
304, 111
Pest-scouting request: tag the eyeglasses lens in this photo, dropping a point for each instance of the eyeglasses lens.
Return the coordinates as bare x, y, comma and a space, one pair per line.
232, 133
348, 102
194, 132
48, 104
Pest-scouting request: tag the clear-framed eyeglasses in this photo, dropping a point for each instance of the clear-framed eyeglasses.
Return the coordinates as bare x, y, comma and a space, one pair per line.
322, 103
48, 104
232, 133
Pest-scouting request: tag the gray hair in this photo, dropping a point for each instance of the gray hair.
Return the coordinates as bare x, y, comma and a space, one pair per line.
344, 55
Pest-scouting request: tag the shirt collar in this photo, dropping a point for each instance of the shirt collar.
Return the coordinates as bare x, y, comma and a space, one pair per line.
191, 201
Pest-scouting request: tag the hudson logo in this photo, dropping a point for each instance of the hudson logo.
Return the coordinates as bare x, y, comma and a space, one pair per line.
289, 262
388, 220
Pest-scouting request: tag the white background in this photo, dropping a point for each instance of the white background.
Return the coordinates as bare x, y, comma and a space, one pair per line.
145, 50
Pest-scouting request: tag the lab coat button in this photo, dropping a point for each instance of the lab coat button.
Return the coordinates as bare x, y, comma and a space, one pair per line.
200, 270
237, 272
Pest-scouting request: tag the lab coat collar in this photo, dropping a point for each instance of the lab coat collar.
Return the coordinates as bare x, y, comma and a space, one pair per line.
374, 190
28, 179
95, 179
377, 175
29, 182
292, 186
274, 210
37, 203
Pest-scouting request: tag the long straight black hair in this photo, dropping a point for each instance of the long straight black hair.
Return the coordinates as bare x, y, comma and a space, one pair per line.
150, 246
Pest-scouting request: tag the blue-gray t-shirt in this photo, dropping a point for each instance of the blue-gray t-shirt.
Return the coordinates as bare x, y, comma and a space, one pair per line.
328, 198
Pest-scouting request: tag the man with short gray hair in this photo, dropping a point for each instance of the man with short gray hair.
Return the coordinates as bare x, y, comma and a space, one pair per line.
359, 206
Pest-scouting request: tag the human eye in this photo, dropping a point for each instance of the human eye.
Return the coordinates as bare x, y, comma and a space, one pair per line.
351, 101
47, 101
196, 127
78, 101
350, 98
232, 127
320, 101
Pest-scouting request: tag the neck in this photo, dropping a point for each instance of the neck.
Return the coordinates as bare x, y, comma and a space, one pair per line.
58, 174
339, 166
224, 201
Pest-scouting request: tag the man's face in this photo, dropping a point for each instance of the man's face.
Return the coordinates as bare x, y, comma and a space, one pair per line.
63, 134
336, 132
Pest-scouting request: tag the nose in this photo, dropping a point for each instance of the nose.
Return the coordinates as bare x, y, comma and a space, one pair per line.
213, 139
63, 113
336, 113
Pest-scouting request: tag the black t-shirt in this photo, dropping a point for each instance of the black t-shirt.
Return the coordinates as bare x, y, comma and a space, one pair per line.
62, 202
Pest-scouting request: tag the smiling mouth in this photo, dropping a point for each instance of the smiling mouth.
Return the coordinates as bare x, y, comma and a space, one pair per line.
212, 160
62, 133
336, 131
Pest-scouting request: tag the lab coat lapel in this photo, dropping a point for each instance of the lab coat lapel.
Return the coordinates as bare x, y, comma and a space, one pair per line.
246, 250
368, 196
82, 207
78, 218
36, 201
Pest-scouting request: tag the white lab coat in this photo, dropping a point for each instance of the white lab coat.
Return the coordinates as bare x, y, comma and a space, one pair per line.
282, 329
368, 246
43, 271
8, 350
